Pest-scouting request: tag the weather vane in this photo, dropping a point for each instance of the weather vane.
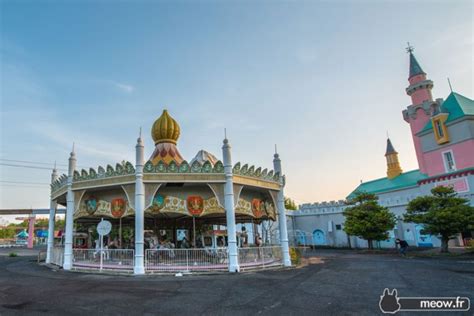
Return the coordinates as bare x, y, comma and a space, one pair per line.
410, 48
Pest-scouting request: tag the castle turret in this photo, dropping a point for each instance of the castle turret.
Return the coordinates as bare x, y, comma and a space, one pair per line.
418, 113
393, 165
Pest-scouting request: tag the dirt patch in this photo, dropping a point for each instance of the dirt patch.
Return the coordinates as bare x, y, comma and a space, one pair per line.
310, 261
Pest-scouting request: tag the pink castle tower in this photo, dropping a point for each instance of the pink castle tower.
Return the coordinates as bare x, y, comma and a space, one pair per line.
441, 129
418, 113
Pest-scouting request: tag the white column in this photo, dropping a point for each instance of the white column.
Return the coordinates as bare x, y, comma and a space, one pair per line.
139, 267
52, 216
69, 213
282, 213
229, 209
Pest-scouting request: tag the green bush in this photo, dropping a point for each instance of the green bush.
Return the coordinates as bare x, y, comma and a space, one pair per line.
295, 255
470, 245
13, 254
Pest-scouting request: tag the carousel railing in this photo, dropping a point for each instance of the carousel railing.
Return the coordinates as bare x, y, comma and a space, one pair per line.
105, 259
57, 256
259, 257
186, 260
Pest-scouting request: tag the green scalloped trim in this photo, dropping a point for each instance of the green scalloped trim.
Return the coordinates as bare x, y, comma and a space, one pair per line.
184, 167
196, 167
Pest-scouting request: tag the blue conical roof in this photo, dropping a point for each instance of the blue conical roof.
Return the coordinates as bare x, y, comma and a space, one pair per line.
390, 149
415, 68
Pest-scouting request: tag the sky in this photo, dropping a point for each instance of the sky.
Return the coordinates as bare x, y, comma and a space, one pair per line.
324, 80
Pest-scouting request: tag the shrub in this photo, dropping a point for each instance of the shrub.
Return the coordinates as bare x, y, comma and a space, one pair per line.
470, 245
13, 254
295, 255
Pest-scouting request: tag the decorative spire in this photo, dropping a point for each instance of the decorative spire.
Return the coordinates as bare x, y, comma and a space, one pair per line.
450, 86
390, 150
165, 133
415, 68
393, 165
73, 152
139, 139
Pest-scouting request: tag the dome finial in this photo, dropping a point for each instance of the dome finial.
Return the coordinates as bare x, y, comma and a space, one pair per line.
165, 129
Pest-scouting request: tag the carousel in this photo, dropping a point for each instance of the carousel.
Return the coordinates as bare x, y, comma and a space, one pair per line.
168, 214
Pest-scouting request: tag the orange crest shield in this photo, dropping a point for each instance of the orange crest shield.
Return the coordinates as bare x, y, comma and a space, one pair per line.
118, 207
195, 205
257, 208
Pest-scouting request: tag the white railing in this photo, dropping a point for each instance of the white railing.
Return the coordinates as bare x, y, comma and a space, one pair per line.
105, 259
185, 260
259, 257
57, 256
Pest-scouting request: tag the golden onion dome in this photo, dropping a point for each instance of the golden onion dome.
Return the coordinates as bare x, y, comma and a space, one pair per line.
165, 129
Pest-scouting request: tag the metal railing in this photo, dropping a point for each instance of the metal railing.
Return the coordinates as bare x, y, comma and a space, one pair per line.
105, 259
186, 260
170, 260
260, 257
57, 256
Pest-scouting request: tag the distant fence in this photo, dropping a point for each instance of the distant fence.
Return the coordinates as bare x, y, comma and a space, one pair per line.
10, 243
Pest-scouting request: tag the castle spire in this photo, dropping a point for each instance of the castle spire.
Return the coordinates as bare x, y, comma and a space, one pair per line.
393, 165
418, 114
415, 68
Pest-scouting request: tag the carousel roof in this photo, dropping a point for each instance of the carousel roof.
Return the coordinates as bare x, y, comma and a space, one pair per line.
106, 191
202, 156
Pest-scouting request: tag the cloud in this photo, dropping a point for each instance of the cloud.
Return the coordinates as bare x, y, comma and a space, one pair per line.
127, 88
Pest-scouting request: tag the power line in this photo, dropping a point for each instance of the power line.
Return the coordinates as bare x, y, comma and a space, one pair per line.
38, 163
31, 167
33, 162
21, 182
24, 186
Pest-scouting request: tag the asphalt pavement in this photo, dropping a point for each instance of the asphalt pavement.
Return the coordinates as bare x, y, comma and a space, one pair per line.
331, 283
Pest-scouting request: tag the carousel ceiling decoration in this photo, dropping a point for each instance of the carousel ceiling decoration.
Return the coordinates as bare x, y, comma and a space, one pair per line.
196, 206
93, 207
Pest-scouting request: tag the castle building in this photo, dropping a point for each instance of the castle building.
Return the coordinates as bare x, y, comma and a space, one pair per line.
443, 137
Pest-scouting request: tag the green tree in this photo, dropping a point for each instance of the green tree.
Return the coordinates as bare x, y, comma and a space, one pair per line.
442, 214
7, 232
366, 219
290, 204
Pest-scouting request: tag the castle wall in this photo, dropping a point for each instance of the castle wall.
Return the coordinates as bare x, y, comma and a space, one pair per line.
458, 132
463, 157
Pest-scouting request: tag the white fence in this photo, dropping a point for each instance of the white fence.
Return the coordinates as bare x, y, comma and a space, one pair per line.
170, 260
105, 259
259, 257
57, 256
185, 260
